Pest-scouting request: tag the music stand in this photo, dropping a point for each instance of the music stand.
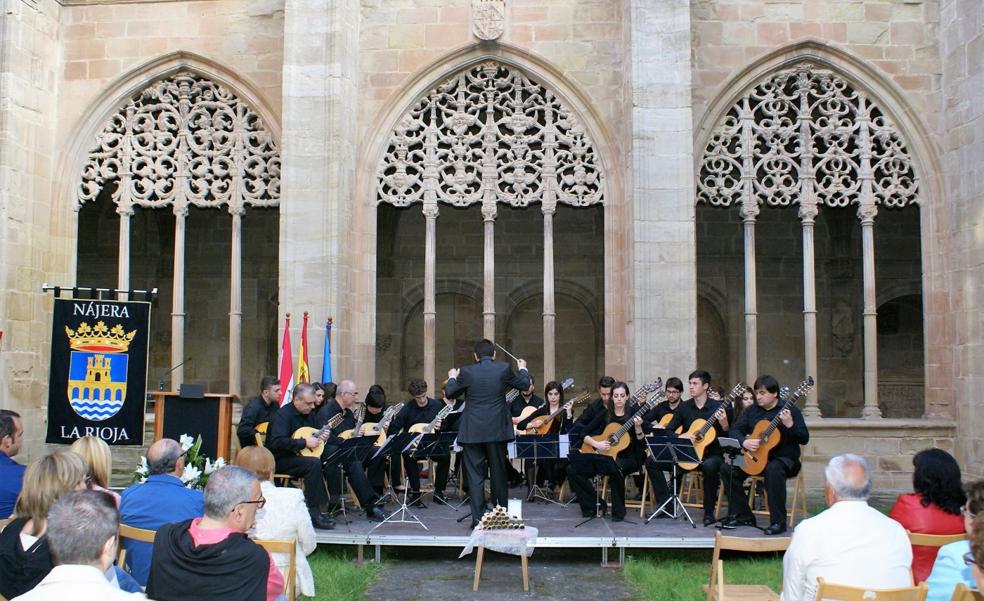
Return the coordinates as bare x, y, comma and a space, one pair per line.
355, 449
396, 445
604, 465
669, 450
431, 446
536, 447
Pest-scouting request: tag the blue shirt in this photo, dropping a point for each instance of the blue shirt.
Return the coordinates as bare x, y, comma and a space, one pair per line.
11, 479
161, 499
948, 571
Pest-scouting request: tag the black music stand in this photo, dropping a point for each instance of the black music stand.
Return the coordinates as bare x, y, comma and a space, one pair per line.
669, 450
536, 447
604, 465
355, 449
396, 445
433, 446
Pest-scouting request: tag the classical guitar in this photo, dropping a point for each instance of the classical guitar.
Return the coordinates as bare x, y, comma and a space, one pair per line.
765, 431
322, 433
703, 429
615, 434
544, 428
379, 429
528, 411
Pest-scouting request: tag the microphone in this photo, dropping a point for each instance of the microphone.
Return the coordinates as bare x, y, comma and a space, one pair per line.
160, 385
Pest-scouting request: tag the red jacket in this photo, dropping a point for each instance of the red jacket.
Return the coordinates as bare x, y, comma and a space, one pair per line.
909, 511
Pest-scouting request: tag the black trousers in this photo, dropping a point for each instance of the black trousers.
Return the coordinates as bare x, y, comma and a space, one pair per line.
548, 471
308, 468
356, 476
711, 470
376, 471
479, 457
776, 472
581, 470
442, 466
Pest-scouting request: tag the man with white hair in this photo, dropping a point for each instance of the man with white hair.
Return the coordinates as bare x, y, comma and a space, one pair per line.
850, 543
81, 534
211, 558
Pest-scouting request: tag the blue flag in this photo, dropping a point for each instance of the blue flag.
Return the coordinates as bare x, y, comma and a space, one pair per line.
326, 361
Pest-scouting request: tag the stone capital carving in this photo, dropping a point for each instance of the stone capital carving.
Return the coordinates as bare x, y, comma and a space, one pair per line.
488, 19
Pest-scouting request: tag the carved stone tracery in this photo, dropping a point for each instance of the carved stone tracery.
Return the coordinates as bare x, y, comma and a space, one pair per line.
485, 135
806, 136
184, 140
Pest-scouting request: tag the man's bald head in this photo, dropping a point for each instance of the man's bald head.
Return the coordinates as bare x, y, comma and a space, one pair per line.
347, 395
164, 456
848, 479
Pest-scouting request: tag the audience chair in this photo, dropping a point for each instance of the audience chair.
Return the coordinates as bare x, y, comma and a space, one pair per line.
717, 590
290, 548
838, 592
962, 593
132, 533
934, 540
282, 480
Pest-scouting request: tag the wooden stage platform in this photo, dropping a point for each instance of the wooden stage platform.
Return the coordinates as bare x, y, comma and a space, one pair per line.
557, 528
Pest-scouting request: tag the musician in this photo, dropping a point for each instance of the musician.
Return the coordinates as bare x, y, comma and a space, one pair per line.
784, 458
259, 409
662, 412
629, 460
598, 406
375, 405
421, 410
549, 471
345, 398
700, 406
486, 426
328, 392
299, 413
525, 399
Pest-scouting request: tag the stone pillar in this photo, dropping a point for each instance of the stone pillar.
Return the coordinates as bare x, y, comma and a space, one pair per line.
488, 287
123, 263
178, 295
318, 149
430, 293
808, 213
749, 211
549, 310
660, 221
867, 210
236, 301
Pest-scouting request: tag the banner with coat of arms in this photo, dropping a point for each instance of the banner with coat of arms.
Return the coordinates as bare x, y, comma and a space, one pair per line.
98, 381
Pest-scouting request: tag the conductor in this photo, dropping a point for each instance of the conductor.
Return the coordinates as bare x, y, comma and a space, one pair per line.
486, 424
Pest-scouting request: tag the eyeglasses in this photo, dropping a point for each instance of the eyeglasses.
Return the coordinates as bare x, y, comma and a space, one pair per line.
969, 559
259, 503
967, 513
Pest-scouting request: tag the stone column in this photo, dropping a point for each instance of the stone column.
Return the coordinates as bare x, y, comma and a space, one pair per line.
549, 310
749, 211
430, 292
488, 286
867, 210
236, 300
808, 213
123, 264
321, 270
659, 221
178, 295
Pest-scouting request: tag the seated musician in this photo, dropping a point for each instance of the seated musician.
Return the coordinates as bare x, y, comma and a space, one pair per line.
375, 405
549, 471
258, 410
659, 416
525, 400
597, 406
421, 410
698, 407
629, 460
784, 459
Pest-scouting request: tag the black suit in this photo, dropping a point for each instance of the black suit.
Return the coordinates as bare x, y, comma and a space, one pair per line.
486, 426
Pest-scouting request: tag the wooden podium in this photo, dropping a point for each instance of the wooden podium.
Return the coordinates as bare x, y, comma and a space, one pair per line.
210, 417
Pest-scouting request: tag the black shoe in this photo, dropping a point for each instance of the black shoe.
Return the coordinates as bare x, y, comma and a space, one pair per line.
620, 518
375, 514
320, 521
775, 529
440, 498
733, 521
414, 500
709, 520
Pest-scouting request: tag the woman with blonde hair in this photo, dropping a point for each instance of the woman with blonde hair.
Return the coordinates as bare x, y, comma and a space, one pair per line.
284, 516
24, 555
98, 463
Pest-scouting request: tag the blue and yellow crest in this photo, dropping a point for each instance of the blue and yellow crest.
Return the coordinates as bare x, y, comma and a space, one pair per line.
98, 368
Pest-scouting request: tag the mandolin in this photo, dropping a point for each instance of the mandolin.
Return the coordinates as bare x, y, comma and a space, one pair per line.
423, 428
702, 430
322, 433
528, 411
765, 431
544, 428
379, 429
615, 434
360, 417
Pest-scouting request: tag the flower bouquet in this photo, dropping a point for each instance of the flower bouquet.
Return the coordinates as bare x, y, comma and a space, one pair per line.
197, 467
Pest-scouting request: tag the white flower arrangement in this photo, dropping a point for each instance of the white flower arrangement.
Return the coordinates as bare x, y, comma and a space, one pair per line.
197, 467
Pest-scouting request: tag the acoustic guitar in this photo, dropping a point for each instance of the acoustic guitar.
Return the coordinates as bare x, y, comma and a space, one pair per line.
544, 428
528, 411
703, 429
322, 433
765, 431
615, 434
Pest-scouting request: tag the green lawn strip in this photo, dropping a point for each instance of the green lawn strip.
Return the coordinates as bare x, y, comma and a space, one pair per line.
679, 575
336, 576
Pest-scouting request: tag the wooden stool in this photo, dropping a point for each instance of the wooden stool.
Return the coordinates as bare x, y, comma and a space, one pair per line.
478, 570
797, 504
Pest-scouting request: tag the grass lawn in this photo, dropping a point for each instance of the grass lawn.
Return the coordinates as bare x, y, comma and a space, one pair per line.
678, 575
336, 576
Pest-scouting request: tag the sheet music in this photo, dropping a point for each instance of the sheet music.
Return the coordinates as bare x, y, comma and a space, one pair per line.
564, 447
511, 449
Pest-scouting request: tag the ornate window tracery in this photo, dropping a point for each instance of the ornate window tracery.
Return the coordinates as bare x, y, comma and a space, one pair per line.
490, 134
184, 140
806, 136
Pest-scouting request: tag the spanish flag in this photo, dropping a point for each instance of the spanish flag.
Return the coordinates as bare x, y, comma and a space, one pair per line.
303, 373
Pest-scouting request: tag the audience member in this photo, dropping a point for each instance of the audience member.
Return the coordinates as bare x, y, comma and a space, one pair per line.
98, 461
159, 500
976, 556
211, 558
283, 517
82, 536
850, 543
950, 568
258, 410
11, 472
934, 507
25, 557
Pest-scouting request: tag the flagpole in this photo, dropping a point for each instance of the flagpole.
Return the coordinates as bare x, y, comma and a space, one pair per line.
286, 366
326, 355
